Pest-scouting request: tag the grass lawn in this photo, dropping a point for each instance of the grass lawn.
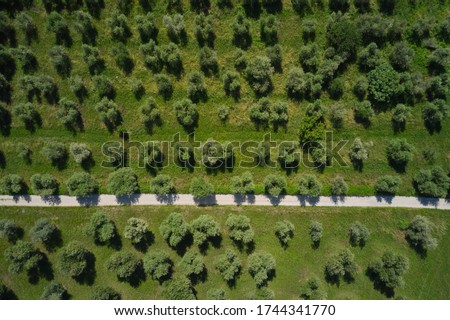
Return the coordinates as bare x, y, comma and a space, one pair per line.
239, 127
425, 278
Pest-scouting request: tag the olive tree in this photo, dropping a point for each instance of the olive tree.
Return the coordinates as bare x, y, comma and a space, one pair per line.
196, 87
284, 230
258, 74
176, 29
261, 266
186, 113
341, 265
339, 187
201, 188
401, 56
69, 114
387, 271
162, 184
123, 182
229, 265
158, 265
10, 230
84, 25
125, 265
101, 228
274, 185
241, 32
146, 27
208, 61
192, 265
315, 232
268, 30
81, 184
105, 293
358, 234
204, 229
179, 289
242, 184
73, 260
119, 28
232, 84
44, 184
174, 229
12, 184
28, 114
313, 291
58, 25
165, 86
23, 256
204, 31
136, 230
432, 182
359, 152
399, 152
240, 229
54, 291
309, 185
61, 61
383, 83
55, 152
388, 185
295, 84
364, 112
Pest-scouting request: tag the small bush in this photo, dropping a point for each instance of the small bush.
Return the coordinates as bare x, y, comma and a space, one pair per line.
284, 230
240, 60
119, 29
176, 29
336, 88
388, 185
358, 234
84, 25
215, 294
341, 265
274, 185
23, 256
150, 113
401, 56
229, 265
288, 155
308, 57
196, 87
361, 87
308, 185
101, 228
313, 291
28, 27
162, 184
369, 57
123, 182
146, 27
261, 266
58, 25
309, 30
174, 229
179, 289
109, 113
439, 60
81, 184
419, 234
44, 184
122, 56
359, 152
337, 115
268, 27
28, 114
200, 188
260, 112
399, 152
24, 152
104, 87
55, 152
136, 230
158, 265
208, 61
224, 113
78, 87
364, 112
275, 56
295, 84
204, 31
69, 115
153, 56
10, 230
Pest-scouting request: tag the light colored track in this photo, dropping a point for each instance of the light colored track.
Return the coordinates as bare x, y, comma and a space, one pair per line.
224, 199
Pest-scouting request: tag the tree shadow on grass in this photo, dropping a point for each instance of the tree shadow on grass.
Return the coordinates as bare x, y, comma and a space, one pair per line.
136, 278
215, 242
146, 242
183, 246
379, 285
43, 270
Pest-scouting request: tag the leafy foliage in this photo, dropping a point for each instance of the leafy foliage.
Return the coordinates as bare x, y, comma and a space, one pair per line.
313, 291
383, 83
240, 229
229, 265
125, 265
258, 74
73, 260
10, 230
23, 256
192, 265
432, 182
204, 229
81, 184
308, 185
54, 291
341, 265
242, 184
261, 266
105, 293
200, 188
339, 187
186, 113
399, 152
388, 185
136, 230
44, 184
12, 184
158, 265
174, 229
101, 228
358, 234
419, 234
162, 184
274, 185
388, 270
284, 230
315, 232
123, 182
179, 289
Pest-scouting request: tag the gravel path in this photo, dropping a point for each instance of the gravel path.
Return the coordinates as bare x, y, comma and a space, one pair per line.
224, 199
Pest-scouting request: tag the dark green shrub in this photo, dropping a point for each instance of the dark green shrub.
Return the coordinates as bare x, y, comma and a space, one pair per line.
358, 234
146, 27
259, 112
339, 5
94, 7
84, 25
208, 61
274, 185
23, 256
158, 265
150, 113
229, 265
279, 115
56, 152
68, 114
125, 6
215, 294
58, 25
343, 35
101, 228
339, 187
383, 83
308, 185
162, 184
301, 6
388, 270
232, 84
192, 265
174, 229
28, 60
204, 229
241, 32
341, 265
389, 185
364, 112
240, 60
176, 29
439, 60
215, 155
420, 31
44, 231
242, 184
386, 6
268, 30
295, 84
362, 6
24, 152
78, 87
152, 56
105, 293
401, 56
261, 266
186, 112
123, 182
374, 29
179, 289
313, 291
337, 115
336, 88
204, 31
284, 230
308, 57
398, 153
369, 57
165, 87
136, 230
104, 87
122, 56
443, 30
28, 27
28, 114
44, 184
54, 291
81, 184
275, 56
171, 56
309, 30
119, 29
432, 182
73, 260
109, 113
419, 234
125, 265
10, 230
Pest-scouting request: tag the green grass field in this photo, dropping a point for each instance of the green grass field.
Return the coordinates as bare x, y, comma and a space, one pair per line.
425, 279
238, 128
